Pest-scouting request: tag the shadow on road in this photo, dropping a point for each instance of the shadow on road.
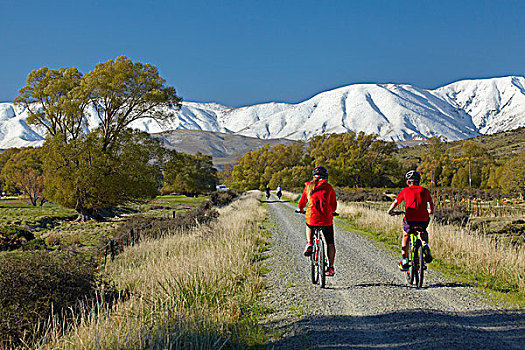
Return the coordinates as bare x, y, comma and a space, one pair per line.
402, 285
273, 201
447, 285
425, 329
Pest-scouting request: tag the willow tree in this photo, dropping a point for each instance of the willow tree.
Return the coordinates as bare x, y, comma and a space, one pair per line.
122, 92
513, 175
258, 168
55, 100
355, 159
189, 174
83, 176
111, 164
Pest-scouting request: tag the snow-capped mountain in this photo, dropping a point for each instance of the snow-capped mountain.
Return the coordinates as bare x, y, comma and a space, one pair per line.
397, 112
494, 105
14, 131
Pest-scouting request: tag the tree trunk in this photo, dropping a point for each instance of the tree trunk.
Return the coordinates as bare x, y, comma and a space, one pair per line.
85, 214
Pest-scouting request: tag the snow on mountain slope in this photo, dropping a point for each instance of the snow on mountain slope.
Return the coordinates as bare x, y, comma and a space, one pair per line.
236, 119
495, 105
395, 112
192, 116
14, 131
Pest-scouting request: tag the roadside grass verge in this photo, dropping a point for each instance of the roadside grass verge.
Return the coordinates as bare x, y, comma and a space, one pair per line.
195, 289
470, 256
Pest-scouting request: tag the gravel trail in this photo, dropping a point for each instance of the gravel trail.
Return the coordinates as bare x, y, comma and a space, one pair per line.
368, 304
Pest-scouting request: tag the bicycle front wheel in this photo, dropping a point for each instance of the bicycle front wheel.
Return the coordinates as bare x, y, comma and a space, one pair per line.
322, 264
421, 266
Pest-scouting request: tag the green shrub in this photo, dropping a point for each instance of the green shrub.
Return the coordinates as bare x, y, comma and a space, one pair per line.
13, 237
35, 244
361, 195
223, 198
35, 285
155, 227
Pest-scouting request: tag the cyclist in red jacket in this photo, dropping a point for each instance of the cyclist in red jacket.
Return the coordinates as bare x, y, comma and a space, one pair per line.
322, 204
418, 206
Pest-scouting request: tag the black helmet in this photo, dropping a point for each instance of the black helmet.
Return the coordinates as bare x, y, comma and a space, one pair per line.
413, 175
321, 171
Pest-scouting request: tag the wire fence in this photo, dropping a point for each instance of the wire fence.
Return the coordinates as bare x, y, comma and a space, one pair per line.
474, 207
131, 237
479, 208
116, 246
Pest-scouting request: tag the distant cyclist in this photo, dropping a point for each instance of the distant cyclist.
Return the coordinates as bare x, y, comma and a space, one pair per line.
418, 204
267, 192
322, 204
279, 192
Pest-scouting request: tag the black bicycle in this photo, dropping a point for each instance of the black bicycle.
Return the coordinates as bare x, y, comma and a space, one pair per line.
416, 260
318, 259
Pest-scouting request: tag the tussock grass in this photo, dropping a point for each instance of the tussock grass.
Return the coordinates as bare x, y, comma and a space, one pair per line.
290, 195
195, 289
497, 265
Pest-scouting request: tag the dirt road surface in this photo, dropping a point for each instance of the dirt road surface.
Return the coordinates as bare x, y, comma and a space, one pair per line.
368, 304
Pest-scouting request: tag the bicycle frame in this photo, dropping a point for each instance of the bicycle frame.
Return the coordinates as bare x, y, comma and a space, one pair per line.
318, 259
416, 262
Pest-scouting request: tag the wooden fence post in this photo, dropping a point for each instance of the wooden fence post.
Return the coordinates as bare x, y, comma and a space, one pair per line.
132, 234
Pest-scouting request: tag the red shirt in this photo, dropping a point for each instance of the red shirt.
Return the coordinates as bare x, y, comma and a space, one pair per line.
416, 199
321, 205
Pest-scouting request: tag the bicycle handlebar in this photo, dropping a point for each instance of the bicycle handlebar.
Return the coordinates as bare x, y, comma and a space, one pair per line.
303, 212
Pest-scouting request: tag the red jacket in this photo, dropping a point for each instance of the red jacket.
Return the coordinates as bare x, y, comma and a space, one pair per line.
416, 199
321, 206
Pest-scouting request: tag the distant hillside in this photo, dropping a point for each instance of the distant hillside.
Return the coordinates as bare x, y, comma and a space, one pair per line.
226, 149
500, 145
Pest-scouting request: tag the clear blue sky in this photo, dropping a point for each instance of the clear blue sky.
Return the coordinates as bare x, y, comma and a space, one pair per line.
244, 52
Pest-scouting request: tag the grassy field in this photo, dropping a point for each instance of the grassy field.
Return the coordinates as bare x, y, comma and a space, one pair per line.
56, 225
196, 289
14, 211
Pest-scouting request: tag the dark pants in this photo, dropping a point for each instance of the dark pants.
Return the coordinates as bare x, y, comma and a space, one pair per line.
328, 232
408, 225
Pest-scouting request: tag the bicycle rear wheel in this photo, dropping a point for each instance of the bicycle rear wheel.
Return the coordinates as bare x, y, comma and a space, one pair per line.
313, 265
414, 269
421, 265
322, 264
410, 275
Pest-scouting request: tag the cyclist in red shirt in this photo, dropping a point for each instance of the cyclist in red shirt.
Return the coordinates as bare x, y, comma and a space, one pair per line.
322, 204
418, 206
